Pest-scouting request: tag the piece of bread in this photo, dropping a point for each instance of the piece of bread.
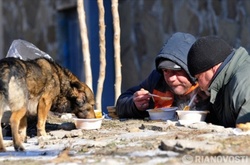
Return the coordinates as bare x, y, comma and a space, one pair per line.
243, 126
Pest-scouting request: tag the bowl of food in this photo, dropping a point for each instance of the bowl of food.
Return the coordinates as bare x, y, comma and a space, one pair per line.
162, 113
88, 124
191, 116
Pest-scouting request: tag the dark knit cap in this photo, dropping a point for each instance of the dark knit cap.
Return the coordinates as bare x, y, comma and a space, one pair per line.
207, 52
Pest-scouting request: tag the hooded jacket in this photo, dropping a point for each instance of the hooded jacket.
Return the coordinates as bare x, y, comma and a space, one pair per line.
230, 92
176, 50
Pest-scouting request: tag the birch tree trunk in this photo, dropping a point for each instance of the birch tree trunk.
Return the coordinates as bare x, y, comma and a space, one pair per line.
85, 43
116, 25
102, 55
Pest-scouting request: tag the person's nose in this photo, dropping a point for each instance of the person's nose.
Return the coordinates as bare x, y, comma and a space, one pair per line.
170, 76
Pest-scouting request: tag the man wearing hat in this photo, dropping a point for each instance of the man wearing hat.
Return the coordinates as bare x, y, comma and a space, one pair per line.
223, 73
170, 79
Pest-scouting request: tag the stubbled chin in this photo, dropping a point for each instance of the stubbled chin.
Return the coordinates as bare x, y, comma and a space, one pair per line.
179, 90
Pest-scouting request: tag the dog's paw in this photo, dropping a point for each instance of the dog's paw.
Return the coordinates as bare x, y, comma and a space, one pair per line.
19, 148
43, 138
41, 132
243, 126
2, 149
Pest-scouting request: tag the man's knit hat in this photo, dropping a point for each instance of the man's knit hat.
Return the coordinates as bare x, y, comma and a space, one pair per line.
207, 52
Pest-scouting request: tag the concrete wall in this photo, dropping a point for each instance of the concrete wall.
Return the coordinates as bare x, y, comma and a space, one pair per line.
147, 24
33, 21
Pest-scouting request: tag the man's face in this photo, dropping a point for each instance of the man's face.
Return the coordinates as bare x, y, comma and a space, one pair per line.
204, 79
177, 80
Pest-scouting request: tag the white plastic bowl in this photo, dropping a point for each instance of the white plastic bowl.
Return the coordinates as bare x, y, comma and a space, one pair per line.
162, 113
88, 124
191, 116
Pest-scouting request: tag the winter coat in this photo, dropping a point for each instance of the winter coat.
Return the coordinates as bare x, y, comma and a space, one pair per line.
230, 92
125, 107
176, 50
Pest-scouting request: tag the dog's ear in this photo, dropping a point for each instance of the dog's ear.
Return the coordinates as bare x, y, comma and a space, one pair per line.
79, 87
73, 90
89, 94
75, 84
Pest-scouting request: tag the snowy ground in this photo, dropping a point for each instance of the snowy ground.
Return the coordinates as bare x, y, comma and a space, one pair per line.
134, 142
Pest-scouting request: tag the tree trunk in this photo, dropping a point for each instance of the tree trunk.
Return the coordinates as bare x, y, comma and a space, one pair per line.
85, 43
102, 55
116, 25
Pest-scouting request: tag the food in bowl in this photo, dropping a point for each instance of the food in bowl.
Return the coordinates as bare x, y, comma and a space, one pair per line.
98, 113
162, 113
191, 116
88, 124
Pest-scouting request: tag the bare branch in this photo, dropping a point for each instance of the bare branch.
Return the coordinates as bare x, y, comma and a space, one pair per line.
85, 43
116, 25
102, 55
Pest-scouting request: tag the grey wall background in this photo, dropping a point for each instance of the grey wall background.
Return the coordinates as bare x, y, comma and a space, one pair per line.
145, 26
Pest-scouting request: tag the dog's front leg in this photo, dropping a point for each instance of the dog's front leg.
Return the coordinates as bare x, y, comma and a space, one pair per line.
15, 119
43, 109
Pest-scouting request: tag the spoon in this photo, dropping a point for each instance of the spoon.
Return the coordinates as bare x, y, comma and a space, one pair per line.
187, 107
161, 97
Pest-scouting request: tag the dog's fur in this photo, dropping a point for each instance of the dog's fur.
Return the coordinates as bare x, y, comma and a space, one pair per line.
34, 87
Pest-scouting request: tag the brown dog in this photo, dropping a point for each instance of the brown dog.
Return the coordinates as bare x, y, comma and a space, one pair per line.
34, 87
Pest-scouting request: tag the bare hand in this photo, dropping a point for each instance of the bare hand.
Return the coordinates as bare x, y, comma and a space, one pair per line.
141, 99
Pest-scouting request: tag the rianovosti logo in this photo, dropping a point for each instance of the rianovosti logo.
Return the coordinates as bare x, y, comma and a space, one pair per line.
219, 159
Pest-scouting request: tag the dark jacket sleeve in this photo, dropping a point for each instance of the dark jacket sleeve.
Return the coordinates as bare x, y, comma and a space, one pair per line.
125, 107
